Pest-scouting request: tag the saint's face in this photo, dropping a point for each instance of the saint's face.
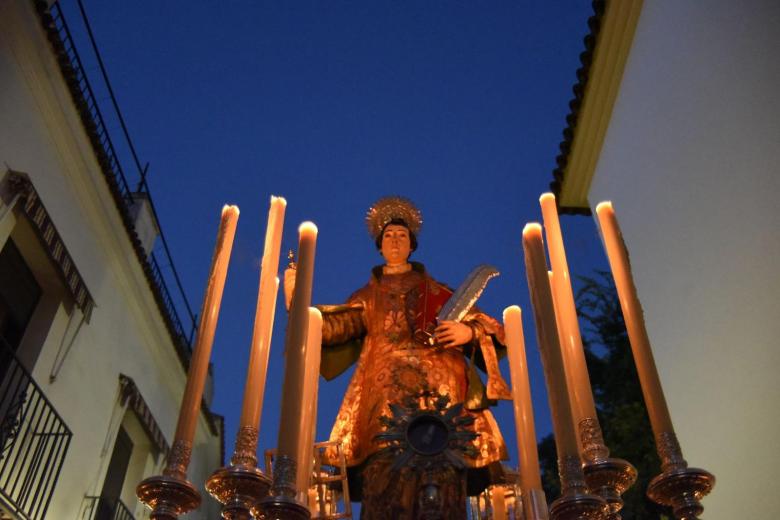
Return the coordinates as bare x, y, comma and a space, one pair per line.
396, 245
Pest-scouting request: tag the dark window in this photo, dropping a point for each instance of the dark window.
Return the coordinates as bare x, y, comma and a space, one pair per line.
115, 477
19, 294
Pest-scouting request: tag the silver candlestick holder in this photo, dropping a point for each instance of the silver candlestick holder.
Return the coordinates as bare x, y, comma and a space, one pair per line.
678, 486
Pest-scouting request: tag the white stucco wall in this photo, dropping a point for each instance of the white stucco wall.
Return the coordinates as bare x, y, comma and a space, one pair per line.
41, 135
691, 162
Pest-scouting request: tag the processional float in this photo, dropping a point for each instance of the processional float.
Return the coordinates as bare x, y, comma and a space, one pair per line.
297, 485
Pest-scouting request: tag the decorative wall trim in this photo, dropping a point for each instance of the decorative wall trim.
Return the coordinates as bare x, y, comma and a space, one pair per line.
131, 396
32, 207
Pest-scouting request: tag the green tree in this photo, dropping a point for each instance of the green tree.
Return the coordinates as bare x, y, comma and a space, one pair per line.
618, 397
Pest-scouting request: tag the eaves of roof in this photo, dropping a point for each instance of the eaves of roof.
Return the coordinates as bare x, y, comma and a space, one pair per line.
578, 90
607, 47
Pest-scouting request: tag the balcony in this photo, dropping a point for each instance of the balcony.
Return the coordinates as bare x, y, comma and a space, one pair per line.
102, 509
34, 441
122, 168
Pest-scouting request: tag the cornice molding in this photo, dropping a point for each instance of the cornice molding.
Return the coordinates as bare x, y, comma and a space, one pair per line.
585, 134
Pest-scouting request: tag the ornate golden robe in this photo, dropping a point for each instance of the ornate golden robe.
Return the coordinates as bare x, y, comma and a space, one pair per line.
375, 327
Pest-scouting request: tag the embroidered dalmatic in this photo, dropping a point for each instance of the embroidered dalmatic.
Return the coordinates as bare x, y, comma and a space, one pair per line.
381, 327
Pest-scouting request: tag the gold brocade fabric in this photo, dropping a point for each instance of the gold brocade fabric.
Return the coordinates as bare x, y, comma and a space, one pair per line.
396, 495
392, 365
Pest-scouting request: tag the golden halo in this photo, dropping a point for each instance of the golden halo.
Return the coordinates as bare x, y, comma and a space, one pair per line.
387, 208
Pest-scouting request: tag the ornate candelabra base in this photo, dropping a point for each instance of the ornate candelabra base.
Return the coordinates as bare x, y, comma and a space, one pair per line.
678, 486
575, 502
238, 488
281, 508
578, 506
168, 496
682, 489
610, 478
280, 504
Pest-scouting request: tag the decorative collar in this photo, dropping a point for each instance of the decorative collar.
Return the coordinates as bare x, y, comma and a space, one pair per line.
417, 267
400, 269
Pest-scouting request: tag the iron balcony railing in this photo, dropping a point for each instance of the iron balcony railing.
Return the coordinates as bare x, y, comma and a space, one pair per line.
102, 509
34, 440
159, 265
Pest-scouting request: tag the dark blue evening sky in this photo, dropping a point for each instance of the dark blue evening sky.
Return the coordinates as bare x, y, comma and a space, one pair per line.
456, 105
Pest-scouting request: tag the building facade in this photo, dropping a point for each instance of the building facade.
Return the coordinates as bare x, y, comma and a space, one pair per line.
676, 121
93, 354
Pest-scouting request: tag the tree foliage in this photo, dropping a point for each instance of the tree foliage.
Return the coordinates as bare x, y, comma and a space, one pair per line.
618, 397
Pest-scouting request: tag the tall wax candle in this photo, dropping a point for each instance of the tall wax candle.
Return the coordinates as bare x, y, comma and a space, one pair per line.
521, 400
558, 323
309, 415
199, 363
547, 338
635, 323
295, 346
498, 502
580, 392
254, 389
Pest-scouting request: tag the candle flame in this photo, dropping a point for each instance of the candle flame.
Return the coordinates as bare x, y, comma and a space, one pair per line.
512, 310
278, 200
604, 206
532, 228
230, 208
308, 228
315, 313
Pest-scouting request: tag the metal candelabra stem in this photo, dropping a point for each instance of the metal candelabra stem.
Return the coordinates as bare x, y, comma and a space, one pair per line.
240, 486
607, 477
575, 502
280, 504
171, 494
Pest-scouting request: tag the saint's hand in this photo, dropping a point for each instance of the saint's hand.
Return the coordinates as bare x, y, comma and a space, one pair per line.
289, 286
452, 334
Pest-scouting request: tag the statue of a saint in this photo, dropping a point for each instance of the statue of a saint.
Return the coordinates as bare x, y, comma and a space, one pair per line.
380, 327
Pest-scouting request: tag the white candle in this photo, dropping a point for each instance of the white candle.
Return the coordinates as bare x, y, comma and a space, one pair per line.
199, 363
555, 299
257, 369
635, 323
308, 420
547, 338
498, 502
521, 400
295, 345
580, 393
